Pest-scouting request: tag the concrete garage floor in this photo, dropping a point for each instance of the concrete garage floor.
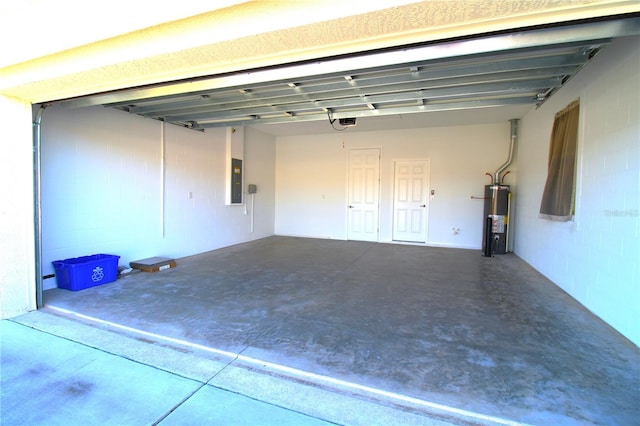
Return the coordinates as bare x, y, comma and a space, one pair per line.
429, 333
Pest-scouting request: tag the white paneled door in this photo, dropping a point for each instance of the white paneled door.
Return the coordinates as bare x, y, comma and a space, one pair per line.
410, 205
364, 194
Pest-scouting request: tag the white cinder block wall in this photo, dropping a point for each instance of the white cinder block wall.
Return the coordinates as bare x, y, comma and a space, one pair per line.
594, 258
102, 187
311, 179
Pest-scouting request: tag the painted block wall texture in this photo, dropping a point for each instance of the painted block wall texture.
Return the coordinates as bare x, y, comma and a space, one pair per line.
102, 188
595, 257
17, 263
311, 179
260, 160
311, 191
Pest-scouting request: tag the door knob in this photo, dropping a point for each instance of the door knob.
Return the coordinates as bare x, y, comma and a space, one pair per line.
423, 205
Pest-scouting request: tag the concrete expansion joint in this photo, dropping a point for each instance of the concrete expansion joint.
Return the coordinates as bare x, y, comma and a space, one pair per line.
290, 374
356, 259
175, 407
97, 348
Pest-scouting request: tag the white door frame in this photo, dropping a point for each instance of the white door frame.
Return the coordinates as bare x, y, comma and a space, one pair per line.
363, 210
416, 206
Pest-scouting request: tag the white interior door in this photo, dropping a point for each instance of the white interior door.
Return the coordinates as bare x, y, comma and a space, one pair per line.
364, 194
410, 204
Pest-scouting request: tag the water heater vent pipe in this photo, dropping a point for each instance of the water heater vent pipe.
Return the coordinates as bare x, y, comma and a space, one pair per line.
514, 137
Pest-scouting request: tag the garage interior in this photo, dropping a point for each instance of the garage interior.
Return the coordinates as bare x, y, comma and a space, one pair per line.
288, 278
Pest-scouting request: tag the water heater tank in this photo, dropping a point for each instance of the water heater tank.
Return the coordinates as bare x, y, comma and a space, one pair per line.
496, 219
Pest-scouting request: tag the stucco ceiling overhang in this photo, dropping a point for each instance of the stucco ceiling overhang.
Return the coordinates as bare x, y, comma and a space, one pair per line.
245, 35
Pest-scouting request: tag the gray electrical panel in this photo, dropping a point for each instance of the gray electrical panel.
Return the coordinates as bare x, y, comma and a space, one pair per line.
252, 189
236, 181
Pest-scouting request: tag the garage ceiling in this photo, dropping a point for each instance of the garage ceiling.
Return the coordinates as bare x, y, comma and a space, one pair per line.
501, 70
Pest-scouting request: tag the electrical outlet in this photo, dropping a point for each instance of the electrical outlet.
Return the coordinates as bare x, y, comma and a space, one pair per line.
455, 231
